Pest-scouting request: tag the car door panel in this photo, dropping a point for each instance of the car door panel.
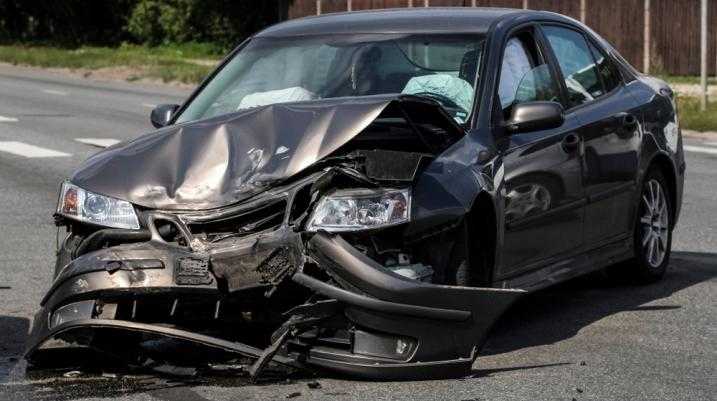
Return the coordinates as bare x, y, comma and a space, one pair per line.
542, 188
612, 144
609, 120
544, 197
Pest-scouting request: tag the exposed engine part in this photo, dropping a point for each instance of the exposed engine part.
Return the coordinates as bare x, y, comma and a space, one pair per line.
389, 165
402, 266
417, 271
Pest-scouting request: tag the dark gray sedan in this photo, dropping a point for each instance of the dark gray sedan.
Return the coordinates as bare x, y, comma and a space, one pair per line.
367, 193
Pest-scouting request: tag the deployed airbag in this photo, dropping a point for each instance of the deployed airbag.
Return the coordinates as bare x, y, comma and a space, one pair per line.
454, 88
295, 94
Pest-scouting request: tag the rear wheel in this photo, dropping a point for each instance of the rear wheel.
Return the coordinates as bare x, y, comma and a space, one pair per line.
653, 229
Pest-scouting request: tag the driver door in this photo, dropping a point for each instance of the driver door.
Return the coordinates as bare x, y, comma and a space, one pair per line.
542, 192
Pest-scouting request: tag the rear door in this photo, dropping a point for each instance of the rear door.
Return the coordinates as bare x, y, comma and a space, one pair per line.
597, 97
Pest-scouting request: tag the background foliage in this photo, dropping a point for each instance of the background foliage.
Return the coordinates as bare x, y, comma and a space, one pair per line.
71, 23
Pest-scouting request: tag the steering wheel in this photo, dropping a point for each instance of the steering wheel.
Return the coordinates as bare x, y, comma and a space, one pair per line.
442, 99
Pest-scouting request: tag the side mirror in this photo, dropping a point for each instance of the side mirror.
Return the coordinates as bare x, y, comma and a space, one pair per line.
535, 116
162, 114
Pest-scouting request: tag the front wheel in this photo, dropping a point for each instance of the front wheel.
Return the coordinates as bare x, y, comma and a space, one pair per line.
471, 262
653, 229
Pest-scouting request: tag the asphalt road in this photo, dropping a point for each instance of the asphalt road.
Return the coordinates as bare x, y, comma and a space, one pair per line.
583, 340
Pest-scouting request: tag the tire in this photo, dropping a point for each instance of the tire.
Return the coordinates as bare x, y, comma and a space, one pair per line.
471, 263
653, 230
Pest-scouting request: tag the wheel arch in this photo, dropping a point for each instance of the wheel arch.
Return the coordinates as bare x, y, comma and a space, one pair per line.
483, 230
666, 166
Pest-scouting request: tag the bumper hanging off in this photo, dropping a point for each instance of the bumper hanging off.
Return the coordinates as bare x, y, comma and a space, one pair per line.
358, 318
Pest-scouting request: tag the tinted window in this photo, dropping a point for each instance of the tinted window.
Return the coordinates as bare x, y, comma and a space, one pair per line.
608, 70
523, 76
576, 63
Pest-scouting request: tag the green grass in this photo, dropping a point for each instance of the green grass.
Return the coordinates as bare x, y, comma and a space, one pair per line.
184, 63
692, 118
689, 105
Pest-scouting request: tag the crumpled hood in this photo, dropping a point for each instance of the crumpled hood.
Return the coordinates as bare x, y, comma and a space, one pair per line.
224, 160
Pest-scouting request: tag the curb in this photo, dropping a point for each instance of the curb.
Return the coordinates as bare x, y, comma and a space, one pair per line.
699, 134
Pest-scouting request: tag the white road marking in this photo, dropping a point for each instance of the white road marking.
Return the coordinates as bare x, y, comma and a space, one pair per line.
149, 105
30, 151
8, 119
54, 92
99, 142
711, 143
700, 149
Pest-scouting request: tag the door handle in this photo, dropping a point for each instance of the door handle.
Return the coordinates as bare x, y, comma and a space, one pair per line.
627, 121
626, 124
571, 142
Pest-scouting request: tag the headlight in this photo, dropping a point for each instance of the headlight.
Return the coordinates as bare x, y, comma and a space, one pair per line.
360, 209
78, 204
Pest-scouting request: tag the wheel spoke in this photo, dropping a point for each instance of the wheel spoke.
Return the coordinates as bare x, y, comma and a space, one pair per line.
653, 198
646, 238
534, 192
658, 254
648, 205
658, 197
647, 220
663, 241
651, 249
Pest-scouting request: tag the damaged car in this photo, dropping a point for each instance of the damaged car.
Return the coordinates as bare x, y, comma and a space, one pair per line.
365, 193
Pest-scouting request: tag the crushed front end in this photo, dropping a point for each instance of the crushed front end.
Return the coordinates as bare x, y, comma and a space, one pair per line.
299, 274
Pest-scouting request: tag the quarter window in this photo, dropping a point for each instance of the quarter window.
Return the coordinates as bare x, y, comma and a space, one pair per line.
576, 63
608, 70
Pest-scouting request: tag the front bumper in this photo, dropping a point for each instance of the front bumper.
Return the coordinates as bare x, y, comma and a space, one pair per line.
396, 328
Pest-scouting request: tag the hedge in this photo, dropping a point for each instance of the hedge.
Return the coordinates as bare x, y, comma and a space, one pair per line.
111, 22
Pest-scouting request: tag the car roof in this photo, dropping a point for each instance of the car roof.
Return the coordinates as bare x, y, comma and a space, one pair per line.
400, 20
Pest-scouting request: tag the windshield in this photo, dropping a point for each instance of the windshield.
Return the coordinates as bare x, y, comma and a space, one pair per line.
279, 70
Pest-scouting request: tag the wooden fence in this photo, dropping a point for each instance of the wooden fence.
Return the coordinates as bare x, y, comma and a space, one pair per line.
674, 25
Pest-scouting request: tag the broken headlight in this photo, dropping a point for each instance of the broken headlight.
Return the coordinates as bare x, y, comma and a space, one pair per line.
361, 209
79, 204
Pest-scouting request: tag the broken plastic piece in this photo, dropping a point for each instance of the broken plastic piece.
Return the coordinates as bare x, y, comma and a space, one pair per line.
416, 271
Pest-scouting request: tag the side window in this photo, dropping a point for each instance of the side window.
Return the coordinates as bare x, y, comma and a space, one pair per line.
524, 75
576, 63
607, 69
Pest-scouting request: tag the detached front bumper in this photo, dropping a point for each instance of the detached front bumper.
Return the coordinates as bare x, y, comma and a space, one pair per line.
394, 327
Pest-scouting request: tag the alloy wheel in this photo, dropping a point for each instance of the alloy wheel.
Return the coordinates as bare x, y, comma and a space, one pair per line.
654, 223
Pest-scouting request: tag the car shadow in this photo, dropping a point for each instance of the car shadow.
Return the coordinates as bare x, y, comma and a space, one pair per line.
559, 312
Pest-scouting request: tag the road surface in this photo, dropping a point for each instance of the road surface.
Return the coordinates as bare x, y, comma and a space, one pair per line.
584, 340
